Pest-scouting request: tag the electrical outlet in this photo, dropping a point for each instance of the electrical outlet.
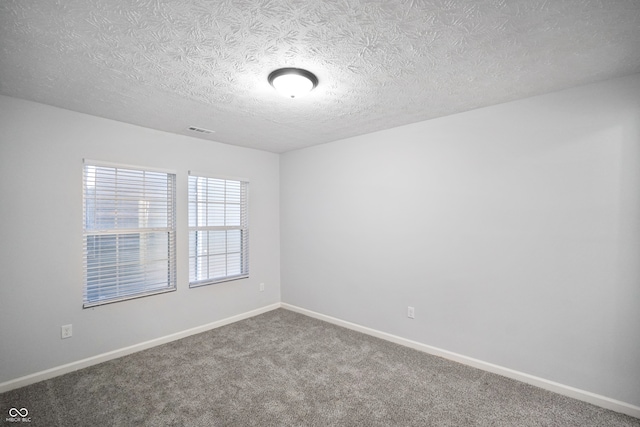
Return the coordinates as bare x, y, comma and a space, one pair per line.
261, 287
66, 331
411, 313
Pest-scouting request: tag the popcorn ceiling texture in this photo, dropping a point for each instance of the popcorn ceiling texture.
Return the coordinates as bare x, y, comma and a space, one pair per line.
169, 65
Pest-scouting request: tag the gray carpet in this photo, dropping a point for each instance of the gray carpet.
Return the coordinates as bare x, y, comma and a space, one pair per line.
285, 369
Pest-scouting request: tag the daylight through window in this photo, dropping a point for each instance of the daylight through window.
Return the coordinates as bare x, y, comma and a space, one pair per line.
129, 233
218, 230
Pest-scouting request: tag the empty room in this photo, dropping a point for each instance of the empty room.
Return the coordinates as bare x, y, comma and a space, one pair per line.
299, 213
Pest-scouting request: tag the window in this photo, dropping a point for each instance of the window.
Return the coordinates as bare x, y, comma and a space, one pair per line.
218, 230
129, 233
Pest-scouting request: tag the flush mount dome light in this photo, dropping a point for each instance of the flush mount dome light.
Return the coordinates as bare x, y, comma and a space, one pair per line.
293, 82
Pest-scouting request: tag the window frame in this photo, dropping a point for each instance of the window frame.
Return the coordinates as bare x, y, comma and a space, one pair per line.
243, 228
146, 287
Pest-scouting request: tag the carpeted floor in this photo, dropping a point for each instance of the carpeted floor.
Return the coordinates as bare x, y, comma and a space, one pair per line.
285, 369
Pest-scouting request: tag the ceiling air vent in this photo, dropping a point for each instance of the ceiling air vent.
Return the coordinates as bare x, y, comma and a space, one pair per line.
200, 130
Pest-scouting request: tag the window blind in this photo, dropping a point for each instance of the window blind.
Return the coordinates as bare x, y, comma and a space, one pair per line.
218, 230
129, 238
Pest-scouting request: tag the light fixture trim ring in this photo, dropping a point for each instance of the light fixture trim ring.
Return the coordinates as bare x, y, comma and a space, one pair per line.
298, 71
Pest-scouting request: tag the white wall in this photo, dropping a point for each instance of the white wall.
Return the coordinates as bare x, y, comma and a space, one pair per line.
41, 152
513, 230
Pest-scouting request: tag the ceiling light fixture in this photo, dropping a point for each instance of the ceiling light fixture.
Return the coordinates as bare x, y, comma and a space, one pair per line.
293, 82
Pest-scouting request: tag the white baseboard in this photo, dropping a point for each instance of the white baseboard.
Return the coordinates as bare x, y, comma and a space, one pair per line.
104, 357
595, 399
585, 396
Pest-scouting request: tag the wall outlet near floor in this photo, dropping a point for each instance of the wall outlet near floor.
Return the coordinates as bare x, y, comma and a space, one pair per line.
411, 312
66, 331
261, 287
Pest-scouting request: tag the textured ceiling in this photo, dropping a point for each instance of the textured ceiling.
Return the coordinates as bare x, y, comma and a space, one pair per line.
170, 65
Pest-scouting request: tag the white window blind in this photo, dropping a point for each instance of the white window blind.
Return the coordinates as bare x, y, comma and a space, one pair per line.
129, 237
218, 230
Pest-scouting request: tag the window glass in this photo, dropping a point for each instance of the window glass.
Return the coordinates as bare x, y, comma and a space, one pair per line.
129, 233
218, 230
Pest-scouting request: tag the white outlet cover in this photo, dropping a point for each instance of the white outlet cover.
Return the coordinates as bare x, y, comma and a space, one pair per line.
66, 331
